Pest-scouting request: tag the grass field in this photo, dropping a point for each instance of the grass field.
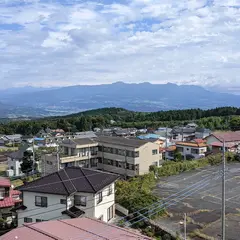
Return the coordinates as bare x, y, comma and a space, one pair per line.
3, 168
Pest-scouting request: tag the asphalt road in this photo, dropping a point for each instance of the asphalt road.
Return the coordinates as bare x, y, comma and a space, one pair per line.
203, 205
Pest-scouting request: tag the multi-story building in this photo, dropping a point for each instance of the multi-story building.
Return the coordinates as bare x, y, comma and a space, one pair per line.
127, 157
69, 193
80, 152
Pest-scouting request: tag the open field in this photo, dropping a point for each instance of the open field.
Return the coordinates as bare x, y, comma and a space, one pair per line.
203, 207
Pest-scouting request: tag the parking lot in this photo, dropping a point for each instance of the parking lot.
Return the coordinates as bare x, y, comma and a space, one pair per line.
203, 205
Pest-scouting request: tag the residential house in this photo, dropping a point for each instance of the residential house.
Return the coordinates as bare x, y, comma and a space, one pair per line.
75, 229
164, 132
127, 157
14, 161
10, 139
9, 199
69, 193
170, 152
79, 152
191, 149
183, 133
88, 134
232, 138
202, 133
124, 132
215, 141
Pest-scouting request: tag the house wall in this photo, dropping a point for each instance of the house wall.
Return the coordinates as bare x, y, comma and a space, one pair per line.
145, 159
187, 150
210, 139
102, 208
49, 164
201, 135
55, 208
53, 211
15, 164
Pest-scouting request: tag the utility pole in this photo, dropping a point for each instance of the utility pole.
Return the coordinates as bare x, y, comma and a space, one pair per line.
166, 145
185, 226
58, 159
223, 192
33, 155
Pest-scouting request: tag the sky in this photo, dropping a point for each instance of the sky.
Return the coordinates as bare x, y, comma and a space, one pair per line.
70, 42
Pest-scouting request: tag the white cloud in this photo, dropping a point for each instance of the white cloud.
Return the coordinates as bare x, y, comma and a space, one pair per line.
140, 40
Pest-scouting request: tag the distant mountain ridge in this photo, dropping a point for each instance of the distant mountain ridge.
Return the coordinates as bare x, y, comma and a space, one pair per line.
145, 97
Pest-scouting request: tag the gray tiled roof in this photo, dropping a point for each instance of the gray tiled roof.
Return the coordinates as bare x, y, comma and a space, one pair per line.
79, 141
71, 180
136, 143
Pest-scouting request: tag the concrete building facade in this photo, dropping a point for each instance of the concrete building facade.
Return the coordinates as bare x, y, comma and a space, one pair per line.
127, 157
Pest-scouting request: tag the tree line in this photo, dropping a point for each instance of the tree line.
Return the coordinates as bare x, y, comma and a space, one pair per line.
224, 118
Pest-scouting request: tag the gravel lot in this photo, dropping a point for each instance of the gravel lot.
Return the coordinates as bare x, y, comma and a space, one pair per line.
203, 206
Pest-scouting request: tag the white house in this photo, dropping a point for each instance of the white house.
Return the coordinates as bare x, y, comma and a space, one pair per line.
14, 161
192, 149
69, 193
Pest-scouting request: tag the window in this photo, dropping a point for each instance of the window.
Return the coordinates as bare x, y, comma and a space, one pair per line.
63, 201
39, 220
99, 197
110, 213
100, 160
40, 201
100, 148
154, 152
2, 193
80, 200
136, 154
194, 151
110, 190
110, 162
27, 220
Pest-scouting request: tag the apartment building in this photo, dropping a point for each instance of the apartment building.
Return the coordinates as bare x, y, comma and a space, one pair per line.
127, 157
69, 193
79, 152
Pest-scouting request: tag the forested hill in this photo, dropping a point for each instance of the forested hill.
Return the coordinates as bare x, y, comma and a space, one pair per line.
216, 119
121, 114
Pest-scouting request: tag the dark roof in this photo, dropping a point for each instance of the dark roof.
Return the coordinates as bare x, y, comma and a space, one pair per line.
136, 143
203, 130
180, 130
71, 180
17, 155
79, 141
73, 212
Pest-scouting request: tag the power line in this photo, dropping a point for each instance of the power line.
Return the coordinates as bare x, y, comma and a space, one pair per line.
166, 203
169, 205
209, 176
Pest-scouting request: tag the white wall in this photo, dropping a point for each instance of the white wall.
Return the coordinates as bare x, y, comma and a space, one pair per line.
16, 165
187, 150
108, 201
53, 211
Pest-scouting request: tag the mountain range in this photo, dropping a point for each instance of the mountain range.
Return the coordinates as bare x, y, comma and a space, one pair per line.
137, 97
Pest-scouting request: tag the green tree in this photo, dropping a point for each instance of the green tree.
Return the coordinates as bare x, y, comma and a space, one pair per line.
235, 123
27, 163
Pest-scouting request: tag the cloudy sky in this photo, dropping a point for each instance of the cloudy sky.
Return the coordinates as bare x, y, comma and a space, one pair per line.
68, 42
